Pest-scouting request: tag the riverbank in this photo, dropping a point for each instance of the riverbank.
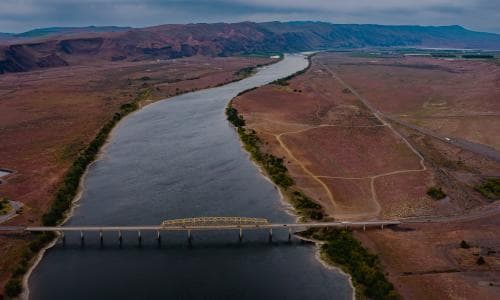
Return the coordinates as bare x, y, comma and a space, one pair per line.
150, 89
65, 198
363, 268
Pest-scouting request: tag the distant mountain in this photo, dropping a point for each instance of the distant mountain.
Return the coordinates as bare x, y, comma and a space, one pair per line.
51, 31
313, 35
4, 35
54, 47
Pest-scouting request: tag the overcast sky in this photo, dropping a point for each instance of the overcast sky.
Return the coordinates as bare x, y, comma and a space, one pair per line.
22, 15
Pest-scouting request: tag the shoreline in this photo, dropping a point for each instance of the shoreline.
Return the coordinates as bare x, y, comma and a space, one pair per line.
287, 203
290, 210
74, 203
334, 248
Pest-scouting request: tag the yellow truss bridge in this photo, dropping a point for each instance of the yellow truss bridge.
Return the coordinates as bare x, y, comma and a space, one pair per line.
214, 221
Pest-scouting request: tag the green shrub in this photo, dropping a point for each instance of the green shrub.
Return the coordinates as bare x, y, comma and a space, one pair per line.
464, 245
436, 193
343, 249
282, 82
245, 72
234, 118
490, 188
13, 288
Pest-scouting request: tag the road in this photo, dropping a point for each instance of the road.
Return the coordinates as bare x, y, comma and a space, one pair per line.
271, 226
461, 143
458, 142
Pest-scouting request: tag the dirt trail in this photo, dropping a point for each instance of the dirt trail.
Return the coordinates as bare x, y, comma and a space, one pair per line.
377, 208
318, 178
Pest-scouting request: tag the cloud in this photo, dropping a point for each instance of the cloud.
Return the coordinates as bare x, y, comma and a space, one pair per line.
21, 15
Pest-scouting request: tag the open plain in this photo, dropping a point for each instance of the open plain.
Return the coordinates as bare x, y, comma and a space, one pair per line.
367, 138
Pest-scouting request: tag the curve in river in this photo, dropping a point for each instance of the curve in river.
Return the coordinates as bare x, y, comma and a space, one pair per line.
173, 159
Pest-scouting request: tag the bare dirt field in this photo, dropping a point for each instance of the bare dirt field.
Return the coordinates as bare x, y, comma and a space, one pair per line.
47, 117
457, 98
336, 127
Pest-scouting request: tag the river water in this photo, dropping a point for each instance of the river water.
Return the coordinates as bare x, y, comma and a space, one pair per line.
173, 159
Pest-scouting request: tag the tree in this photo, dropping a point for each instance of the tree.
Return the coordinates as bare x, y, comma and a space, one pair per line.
13, 288
464, 245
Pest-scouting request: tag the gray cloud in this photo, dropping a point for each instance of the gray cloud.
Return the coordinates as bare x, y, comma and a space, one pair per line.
21, 15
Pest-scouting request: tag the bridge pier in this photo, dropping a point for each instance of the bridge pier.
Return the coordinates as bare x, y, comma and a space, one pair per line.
289, 234
158, 238
63, 239
382, 226
82, 239
240, 236
120, 239
364, 227
270, 235
101, 238
190, 238
139, 238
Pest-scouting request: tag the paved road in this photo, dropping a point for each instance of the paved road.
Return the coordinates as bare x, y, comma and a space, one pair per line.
458, 142
366, 224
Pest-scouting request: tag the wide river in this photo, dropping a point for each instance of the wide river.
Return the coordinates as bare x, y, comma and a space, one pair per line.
173, 159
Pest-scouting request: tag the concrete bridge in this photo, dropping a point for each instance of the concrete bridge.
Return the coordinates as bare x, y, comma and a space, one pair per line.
203, 224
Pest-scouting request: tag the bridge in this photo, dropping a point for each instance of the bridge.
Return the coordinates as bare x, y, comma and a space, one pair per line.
203, 224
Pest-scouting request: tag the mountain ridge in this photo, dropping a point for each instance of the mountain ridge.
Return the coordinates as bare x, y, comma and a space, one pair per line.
77, 46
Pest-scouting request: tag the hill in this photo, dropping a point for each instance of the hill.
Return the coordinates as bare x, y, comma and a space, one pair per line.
55, 47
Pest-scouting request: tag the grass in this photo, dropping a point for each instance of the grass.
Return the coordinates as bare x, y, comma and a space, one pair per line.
490, 188
343, 250
66, 193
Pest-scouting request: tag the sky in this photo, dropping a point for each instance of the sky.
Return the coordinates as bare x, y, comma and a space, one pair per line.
22, 15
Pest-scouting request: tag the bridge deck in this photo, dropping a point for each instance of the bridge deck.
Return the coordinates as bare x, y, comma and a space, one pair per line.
207, 227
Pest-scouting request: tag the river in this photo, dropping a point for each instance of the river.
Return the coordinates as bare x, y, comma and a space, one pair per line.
181, 158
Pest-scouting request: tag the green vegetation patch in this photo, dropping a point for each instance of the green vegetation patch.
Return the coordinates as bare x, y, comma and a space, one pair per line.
305, 206
245, 72
490, 188
234, 118
464, 245
478, 56
262, 54
5, 206
273, 165
341, 248
436, 193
